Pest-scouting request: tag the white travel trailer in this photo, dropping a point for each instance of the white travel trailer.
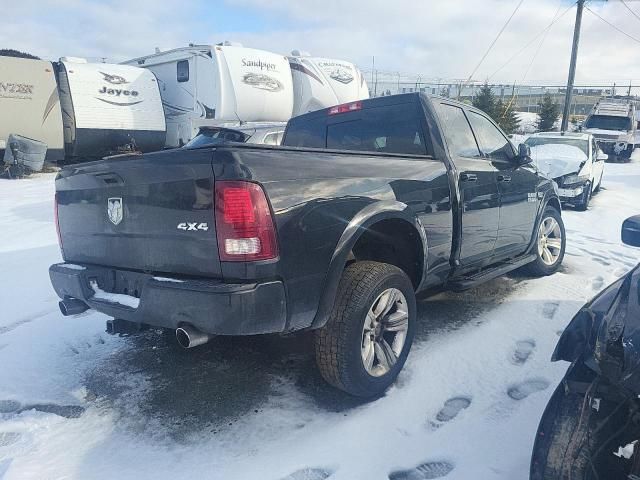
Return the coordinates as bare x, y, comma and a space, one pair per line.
203, 85
29, 104
324, 82
108, 108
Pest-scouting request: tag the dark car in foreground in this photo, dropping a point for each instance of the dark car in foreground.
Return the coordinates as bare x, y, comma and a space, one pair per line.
591, 426
365, 205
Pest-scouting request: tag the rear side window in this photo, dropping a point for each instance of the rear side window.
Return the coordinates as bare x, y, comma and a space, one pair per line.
304, 132
182, 68
457, 131
388, 129
377, 134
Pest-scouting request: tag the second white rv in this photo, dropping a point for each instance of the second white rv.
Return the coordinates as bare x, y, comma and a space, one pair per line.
323, 82
203, 85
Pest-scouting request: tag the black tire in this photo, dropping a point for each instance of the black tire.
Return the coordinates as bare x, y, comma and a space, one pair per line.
338, 344
597, 189
560, 427
538, 268
583, 206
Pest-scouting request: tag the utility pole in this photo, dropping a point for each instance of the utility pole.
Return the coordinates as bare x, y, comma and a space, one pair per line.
572, 67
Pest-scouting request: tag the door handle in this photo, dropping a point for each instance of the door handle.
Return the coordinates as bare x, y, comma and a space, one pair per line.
468, 177
504, 178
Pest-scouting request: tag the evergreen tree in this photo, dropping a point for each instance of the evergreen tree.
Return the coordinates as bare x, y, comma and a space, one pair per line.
549, 113
485, 100
10, 52
444, 92
506, 117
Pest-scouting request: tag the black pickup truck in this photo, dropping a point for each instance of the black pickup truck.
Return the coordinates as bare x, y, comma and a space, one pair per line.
364, 206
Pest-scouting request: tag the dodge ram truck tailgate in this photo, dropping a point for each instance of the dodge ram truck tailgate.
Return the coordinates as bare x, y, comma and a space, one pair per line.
151, 213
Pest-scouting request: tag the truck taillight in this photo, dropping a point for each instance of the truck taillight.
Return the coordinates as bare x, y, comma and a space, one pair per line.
244, 225
55, 216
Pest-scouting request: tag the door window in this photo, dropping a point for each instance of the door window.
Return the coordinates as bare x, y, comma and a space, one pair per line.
492, 142
457, 131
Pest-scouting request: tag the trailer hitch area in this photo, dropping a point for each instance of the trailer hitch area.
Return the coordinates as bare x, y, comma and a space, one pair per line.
118, 326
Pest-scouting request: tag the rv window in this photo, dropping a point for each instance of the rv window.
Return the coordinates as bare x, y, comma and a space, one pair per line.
183, 70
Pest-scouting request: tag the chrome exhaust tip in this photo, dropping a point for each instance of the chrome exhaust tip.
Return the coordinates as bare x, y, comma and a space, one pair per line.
72, 306
189, 337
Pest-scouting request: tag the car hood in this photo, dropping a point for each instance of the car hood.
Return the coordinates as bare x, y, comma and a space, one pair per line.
556, 160
605, 333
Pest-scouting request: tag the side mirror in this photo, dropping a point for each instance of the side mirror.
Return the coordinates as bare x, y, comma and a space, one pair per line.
602, 156
524, 154
631, 231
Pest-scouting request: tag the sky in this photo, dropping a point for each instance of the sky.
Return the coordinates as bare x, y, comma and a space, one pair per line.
436, 39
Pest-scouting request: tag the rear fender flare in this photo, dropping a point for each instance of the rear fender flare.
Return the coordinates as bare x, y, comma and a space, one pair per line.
368, 216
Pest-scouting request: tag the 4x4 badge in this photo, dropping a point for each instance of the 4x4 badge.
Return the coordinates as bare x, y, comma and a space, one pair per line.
114, 210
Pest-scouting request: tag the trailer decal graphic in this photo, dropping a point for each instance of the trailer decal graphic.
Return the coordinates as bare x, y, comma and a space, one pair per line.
263, 82
16, 90
52, 102
127, 104
305, 70
114, 79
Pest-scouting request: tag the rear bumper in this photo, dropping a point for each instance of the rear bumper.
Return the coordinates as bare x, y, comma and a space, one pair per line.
211, 306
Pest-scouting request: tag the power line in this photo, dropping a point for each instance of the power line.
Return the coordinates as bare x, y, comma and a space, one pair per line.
531, 42
514, 95
544, 37
630, 9
613, 26
494, 41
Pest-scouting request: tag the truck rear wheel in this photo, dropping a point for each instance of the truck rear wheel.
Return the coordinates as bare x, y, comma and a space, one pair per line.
550, 245
367, 338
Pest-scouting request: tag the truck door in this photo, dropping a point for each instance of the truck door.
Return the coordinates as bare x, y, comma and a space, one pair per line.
517, 186
477, 184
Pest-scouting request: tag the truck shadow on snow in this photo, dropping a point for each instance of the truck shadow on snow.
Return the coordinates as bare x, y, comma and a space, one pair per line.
152, 381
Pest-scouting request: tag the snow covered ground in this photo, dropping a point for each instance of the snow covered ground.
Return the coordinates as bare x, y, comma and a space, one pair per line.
76, 403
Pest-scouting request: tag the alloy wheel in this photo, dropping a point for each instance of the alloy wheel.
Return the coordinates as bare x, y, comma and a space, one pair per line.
549, 241
384, 332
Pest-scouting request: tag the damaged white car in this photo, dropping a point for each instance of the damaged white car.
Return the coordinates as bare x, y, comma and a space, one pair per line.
573, 161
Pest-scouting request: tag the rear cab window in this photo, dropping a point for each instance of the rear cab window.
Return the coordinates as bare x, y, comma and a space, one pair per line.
382, 129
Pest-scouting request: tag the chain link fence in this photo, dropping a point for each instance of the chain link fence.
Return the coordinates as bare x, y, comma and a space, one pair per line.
525, 98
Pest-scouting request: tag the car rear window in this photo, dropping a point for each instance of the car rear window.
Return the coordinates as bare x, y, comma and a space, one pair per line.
386, 129
215, 136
